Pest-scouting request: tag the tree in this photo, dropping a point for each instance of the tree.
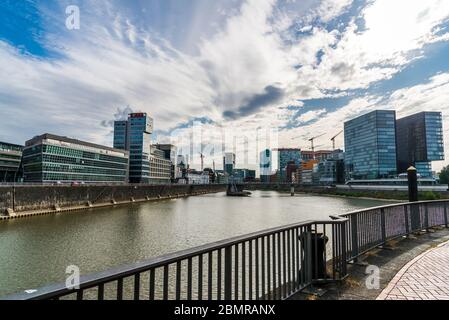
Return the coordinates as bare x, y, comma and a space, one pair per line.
444, 175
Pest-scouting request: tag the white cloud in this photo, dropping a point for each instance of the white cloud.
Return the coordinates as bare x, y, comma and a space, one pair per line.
330, 9
113, 63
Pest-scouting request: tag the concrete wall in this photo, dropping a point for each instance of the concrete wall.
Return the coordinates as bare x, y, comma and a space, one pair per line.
30, 198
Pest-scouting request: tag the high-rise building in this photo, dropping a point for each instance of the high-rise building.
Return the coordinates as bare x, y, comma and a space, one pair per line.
229, 162
134, 135
370, 145
10, 159
285, 156
52, 159
121, 135
420, 141
266, 166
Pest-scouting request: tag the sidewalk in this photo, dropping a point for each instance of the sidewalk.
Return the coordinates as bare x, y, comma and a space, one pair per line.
424, 278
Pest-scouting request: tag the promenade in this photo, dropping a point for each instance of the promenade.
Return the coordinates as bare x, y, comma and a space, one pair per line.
413, 268
424, 278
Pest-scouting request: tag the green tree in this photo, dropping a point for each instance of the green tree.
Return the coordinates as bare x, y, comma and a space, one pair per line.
444, 176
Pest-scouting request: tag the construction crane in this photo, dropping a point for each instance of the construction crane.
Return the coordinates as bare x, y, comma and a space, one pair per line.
333, 139
312, 141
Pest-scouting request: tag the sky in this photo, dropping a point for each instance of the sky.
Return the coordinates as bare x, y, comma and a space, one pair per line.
300, 67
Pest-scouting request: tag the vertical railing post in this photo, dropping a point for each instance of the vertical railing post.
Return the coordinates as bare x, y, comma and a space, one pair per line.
446, 220
354, 237
228, 274
383, 225
415, 217
343, 260
426, 216
407, 227
309, 256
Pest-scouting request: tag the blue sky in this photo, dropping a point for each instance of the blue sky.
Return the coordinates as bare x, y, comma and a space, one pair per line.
301, 66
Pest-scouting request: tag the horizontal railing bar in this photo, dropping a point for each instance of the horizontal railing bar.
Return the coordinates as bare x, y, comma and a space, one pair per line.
117, 274
397, 205
91, 281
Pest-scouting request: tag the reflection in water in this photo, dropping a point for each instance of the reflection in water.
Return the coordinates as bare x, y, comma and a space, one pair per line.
36, 251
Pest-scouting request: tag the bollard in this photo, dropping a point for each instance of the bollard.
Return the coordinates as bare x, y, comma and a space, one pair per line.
415, 216
292, 190
412, 184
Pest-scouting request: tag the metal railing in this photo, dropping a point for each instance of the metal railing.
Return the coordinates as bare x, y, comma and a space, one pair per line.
272, 264
368, 229
269, 265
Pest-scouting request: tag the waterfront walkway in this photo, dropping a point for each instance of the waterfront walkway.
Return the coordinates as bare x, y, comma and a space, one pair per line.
411, 263
424, 278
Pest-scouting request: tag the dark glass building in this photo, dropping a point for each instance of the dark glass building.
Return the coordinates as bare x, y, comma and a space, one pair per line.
286, 156
52, 159
134, 135
10, 160
420, 141
370, 145
121, 135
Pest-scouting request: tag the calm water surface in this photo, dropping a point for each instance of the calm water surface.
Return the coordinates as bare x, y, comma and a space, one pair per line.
35, 252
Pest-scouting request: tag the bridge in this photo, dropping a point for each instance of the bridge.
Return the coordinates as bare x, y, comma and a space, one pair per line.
274, 264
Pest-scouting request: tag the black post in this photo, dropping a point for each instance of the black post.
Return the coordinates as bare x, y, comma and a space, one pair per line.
228, 274
415, 216
412, 184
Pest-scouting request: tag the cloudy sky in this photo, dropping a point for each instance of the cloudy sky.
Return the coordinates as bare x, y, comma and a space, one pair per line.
301, 66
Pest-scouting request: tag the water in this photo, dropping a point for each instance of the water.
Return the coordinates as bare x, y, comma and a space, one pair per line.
35, 252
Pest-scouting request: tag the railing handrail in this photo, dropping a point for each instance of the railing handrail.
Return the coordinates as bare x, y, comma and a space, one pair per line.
90, 281
395, 205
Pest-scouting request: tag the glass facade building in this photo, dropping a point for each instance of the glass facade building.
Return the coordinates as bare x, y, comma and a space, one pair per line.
420, 141
266, 165
229, 162
53, 159
134, 135
10, 162
370, 145
120, 135
286, 156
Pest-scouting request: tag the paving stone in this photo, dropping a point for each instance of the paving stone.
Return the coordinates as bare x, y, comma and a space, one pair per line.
425, 277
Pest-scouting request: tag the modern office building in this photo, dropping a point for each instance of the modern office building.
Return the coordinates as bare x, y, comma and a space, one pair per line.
370, 145
134, 135
304, 172
10, 162
285, 156
332, 170
266, 165
229, 162
161, 168
419, 142
170, 153
54, 159
121, 135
